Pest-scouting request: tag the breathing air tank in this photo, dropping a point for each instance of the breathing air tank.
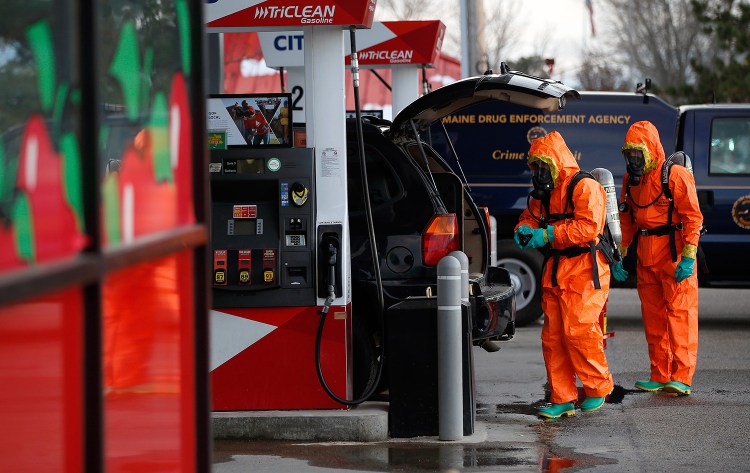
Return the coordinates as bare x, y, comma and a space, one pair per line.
604, 177
681, 158
678, 157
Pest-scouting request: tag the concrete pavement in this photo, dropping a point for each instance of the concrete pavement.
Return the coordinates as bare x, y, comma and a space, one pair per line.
369, 421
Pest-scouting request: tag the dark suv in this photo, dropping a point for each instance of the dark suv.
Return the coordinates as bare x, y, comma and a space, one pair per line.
422, 211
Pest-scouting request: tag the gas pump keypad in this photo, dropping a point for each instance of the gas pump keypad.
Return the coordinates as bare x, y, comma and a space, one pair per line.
295, 240
295, 232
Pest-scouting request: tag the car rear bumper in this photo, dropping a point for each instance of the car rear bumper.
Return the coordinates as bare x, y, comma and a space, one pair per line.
493, 312
492, 303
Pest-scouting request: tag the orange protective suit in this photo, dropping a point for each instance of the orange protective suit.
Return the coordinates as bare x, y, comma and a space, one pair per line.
669, 309
572, 340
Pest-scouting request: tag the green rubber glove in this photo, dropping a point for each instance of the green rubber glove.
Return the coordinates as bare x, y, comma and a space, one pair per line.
618, 272
522, 236
541, 236
685, 268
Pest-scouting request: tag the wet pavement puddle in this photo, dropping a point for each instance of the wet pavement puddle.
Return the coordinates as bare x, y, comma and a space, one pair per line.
413, 456
381, 457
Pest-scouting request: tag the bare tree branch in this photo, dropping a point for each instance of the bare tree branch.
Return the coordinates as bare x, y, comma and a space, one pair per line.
502, 30
655, 38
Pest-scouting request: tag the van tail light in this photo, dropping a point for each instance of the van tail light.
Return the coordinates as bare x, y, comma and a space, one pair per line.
440, 238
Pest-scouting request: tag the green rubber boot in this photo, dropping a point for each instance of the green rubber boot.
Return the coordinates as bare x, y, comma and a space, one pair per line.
677, 387
555, 411
648, 385
592, 403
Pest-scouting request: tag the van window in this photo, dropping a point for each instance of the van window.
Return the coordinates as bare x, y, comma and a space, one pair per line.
730, 146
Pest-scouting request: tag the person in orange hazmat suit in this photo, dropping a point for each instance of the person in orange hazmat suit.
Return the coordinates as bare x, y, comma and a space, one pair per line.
665, 227
575, 279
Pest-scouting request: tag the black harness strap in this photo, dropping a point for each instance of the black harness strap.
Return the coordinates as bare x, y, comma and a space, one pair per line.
662, 230
573, 251
659, 231
672, 228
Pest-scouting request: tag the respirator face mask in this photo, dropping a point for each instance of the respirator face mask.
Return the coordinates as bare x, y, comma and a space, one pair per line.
636, 165
541, 177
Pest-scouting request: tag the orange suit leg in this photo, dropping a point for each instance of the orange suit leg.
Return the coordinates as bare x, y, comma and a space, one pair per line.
581, 307
670, 322
560, 373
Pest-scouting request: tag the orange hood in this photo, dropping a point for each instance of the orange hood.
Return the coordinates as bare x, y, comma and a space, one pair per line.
552, 150
645, 137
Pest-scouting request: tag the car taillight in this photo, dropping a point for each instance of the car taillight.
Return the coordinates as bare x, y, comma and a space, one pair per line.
439, 238
486, 211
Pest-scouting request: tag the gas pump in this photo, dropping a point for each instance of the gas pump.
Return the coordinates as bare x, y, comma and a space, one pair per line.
266, 282
405, 47
262, 227
280, 230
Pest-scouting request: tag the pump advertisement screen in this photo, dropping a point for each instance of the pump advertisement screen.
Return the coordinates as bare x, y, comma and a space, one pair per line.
251, 120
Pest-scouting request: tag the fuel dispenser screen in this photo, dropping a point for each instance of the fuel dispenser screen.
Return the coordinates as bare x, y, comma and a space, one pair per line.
244, 227
251, 166
245, 166
263, 227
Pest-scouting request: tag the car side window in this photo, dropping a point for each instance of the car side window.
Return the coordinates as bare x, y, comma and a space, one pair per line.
730, 146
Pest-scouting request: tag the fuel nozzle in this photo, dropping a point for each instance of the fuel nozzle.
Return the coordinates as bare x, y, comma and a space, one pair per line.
331, 246
332, 254
524, 238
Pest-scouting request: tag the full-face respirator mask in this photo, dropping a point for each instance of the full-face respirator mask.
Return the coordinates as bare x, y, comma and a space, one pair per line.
541, 178
636, 164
